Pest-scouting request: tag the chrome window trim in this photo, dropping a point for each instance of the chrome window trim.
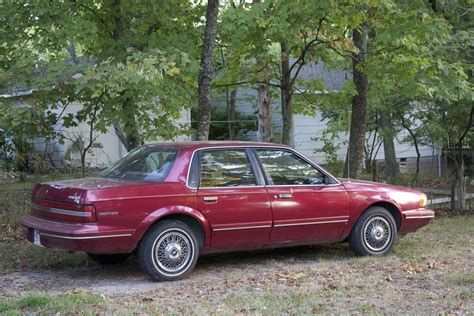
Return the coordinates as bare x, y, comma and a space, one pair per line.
85, 237
301, 185
60, 211
264, 185
238, 187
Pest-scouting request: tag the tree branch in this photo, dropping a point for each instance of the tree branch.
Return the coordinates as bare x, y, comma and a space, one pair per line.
245, 82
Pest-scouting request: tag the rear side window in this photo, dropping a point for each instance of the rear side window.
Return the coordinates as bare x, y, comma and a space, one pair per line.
285, 168
144, 163
226, 168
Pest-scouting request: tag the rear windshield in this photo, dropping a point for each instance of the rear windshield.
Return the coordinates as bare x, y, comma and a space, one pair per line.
143, 163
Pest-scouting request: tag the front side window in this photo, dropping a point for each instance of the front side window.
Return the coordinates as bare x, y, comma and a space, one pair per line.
226, 168
285, 168
144, 163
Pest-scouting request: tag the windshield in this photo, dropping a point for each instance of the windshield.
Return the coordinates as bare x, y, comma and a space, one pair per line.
144, 163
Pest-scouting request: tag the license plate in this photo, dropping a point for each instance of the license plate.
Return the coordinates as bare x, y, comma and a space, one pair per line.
37, 237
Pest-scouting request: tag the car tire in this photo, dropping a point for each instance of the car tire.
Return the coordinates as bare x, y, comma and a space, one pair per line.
168, 251
374, 233
108, 259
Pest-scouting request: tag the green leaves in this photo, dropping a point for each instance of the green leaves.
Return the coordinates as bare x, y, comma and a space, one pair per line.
103, 55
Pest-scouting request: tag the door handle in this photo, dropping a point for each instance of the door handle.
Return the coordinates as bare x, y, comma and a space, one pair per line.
285, 196
210, 199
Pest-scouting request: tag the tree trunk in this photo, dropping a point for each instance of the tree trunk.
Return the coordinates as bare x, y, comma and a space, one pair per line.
355, 153
458, 190
460, 178
453, 193
231, 103
264, 105
461, 186
286, 96
205, 72
392, 168
130, 127
418, 156
127, 131
83, 163
414, 137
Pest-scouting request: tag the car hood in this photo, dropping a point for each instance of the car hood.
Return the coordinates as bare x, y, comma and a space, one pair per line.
360, 185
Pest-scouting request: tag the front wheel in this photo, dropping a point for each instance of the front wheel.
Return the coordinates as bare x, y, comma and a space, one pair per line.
168, 251
374, 233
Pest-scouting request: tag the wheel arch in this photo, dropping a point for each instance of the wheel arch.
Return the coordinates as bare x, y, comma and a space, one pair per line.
192, 222
193, 218
392, 208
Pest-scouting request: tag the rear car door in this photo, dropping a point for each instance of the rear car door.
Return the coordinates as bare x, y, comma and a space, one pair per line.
232, 196
307, 204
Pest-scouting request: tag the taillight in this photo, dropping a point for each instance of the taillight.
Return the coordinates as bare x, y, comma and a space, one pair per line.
63, 211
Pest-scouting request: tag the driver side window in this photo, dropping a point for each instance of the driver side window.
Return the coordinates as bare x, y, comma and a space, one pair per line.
285, 168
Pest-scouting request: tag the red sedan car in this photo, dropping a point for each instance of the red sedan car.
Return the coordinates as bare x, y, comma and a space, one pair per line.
171, 202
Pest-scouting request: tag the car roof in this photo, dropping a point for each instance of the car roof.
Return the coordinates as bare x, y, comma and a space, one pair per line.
213, 144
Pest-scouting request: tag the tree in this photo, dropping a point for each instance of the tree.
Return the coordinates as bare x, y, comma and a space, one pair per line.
264, 102
143, 54
392, 168
454, 110
276, 39
206, 71
358, 127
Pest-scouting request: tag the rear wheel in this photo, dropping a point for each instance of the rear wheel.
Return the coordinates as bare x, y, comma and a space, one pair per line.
168, 251
109, 259
374, 233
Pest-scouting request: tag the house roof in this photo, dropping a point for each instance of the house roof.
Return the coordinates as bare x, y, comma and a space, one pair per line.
17, 93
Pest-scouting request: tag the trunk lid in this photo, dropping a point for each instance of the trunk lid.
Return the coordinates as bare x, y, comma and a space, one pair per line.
74, 191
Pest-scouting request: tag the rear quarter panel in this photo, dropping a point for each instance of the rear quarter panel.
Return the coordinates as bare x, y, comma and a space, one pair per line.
139, 207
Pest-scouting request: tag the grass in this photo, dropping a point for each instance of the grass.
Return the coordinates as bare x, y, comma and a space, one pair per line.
271, 301
70, 303
461, 278
22, 256
358, 285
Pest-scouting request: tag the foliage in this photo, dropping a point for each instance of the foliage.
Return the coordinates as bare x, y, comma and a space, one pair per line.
135, 60
135, 64
219, 125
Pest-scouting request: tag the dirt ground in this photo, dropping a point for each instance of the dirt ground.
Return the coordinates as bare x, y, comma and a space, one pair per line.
430, 271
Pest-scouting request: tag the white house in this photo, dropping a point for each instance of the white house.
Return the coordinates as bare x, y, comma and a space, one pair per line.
308, 128
109, 148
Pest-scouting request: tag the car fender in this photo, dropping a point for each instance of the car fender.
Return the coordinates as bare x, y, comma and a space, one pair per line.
360, 203
174, 210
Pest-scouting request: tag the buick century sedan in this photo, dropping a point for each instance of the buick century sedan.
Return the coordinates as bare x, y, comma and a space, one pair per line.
171, 202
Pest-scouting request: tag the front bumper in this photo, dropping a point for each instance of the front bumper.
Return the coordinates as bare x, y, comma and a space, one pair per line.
89, 237
413, 220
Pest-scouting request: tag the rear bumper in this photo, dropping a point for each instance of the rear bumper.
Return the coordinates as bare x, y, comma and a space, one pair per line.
91, 237
413, 220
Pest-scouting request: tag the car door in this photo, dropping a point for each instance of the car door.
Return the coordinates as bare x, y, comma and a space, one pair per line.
232, 196
307, 204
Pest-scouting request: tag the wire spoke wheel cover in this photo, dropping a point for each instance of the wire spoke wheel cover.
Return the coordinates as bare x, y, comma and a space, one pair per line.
173, 251
377, 233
